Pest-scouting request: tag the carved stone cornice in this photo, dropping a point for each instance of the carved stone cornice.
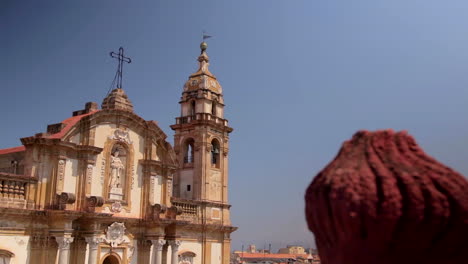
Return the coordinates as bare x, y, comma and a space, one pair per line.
17, 177
148, 162
81, 149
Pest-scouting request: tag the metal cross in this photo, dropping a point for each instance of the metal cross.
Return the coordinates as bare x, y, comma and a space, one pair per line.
121, 58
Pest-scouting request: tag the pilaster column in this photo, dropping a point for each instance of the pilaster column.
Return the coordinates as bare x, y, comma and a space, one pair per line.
174, 248
93, 243
64, 249
157, 251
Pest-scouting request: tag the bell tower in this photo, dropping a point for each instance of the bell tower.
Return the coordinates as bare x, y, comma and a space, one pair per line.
201, 139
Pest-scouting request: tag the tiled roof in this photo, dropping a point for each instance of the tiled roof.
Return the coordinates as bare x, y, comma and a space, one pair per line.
69, 123
280, 256
12, 150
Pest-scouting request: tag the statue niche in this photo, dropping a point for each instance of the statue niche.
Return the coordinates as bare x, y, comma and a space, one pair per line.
117, 172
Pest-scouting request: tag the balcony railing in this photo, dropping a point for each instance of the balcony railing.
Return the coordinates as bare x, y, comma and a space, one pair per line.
187, 209
201, 117
14, 189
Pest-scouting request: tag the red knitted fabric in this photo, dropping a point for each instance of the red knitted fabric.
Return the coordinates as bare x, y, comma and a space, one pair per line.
383, 200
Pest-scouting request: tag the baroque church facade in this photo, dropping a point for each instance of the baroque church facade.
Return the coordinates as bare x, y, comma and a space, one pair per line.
105, 187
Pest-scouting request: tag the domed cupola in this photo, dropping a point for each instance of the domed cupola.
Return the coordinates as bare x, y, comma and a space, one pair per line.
203, 78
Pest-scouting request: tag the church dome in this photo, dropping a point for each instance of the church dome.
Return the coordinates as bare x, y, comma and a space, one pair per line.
203, 78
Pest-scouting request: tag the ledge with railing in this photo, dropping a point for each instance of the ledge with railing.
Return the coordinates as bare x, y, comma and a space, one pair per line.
201, 117
189, 210
14, 189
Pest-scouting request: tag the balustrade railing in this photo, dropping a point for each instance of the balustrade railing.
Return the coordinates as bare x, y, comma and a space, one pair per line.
14, 187
187, 209
201, 117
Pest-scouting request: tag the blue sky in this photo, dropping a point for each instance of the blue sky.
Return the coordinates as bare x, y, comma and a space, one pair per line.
299, 78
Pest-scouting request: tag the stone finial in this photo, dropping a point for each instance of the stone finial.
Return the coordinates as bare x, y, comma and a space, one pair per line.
117, 99
383, 200
203, 78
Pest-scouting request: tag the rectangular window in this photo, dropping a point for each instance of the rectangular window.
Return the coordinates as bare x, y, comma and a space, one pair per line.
188, 188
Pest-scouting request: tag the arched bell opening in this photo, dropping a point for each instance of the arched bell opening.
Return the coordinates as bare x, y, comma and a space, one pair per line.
215, 150
188, 151
192, 108
213, 108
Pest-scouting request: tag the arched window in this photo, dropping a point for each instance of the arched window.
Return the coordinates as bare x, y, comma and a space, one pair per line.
192, 108
111, 259
5, 256
188, 148
215, 153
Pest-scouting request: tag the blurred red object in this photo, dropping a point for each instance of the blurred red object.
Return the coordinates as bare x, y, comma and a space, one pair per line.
383, 200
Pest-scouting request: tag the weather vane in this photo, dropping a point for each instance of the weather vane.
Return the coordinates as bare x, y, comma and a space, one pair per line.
121, 58
205, 36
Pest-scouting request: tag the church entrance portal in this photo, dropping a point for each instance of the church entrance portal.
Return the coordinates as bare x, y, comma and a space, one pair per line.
111, 260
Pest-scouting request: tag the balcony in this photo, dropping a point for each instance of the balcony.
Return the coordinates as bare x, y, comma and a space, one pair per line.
14, 190
189, 210
201, 117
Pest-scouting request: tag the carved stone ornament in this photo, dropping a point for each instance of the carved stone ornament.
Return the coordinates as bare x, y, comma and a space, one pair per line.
175, 244
19, 240
121, 135
131, 251
94, 242
115, 234
103, 169
169, 187
116, 207
89, 173
67, 198
64, 242
158, 244
95, 201
61, 169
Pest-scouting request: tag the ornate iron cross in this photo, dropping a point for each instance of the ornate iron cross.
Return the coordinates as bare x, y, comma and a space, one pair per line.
121, 58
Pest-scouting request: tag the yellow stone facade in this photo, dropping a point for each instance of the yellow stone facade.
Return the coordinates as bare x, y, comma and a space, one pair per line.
104, 186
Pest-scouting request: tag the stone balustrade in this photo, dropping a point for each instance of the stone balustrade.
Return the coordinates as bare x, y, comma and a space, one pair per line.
14, 189
201, 117
187, 209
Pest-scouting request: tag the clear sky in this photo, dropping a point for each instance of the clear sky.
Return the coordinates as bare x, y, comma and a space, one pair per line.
299, 78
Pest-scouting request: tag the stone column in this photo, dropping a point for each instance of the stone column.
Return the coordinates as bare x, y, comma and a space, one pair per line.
64, 249
157, 251
93, 243
174, 248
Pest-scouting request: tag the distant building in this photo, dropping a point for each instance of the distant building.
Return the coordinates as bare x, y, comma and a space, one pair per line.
252, 249
292, 250
239, 257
